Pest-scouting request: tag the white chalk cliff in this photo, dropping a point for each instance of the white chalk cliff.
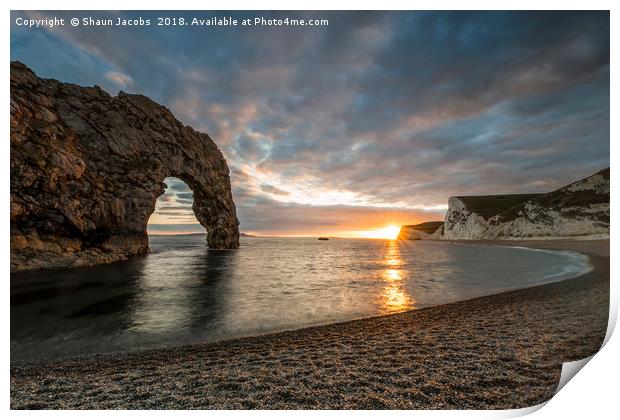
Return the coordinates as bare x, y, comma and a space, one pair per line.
580, 209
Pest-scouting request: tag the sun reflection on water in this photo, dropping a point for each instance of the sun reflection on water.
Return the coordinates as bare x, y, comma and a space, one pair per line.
394, 297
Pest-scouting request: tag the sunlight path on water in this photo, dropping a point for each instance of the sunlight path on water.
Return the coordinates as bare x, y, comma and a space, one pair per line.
395, 297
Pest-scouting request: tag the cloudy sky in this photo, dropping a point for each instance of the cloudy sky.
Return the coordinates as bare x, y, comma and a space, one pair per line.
375, 119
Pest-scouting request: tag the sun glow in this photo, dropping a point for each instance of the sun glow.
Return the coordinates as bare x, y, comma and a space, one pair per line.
388, 232
395, 296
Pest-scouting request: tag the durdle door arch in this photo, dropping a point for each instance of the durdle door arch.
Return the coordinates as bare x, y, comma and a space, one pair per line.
212, 213
87, 169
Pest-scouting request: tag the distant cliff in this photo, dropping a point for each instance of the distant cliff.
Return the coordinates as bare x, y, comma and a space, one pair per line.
468, 216
425, 230
578, 209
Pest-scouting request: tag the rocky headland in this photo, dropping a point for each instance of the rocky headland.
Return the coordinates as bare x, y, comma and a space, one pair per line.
87, 168
578, 210
424, 230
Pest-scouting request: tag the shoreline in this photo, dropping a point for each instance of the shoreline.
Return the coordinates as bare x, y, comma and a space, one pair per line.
412, 359
583, 262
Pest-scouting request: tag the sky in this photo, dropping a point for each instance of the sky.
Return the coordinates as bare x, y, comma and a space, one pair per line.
373, 120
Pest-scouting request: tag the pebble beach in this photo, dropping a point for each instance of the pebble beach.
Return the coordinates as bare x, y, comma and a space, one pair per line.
495, 352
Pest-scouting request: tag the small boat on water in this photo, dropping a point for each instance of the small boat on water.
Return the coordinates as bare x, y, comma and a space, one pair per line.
323, 238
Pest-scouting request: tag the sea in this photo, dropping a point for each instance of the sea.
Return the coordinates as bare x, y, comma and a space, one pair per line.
184, 293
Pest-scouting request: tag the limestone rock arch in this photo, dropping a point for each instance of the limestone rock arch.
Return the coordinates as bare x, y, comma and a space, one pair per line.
87, 168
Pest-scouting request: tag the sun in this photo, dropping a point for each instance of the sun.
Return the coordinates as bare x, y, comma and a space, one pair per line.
387, 232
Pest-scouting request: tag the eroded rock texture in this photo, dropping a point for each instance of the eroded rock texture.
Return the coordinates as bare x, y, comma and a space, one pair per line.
468, 216
87, 168
580, 209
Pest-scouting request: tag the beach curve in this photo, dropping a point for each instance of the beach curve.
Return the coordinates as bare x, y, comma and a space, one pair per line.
499, 351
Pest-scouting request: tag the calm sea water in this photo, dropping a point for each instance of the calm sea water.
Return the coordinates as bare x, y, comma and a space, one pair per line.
184, 293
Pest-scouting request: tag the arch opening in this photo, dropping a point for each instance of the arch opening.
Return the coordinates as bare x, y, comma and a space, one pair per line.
103, 192
174, 211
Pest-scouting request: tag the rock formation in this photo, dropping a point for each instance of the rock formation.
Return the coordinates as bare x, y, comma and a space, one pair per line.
467, 216
579, 209
424, 230
87, 168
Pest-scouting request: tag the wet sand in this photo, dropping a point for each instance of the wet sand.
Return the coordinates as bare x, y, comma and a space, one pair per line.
498, 351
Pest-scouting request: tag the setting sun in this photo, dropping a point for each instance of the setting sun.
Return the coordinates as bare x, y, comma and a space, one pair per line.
388, 232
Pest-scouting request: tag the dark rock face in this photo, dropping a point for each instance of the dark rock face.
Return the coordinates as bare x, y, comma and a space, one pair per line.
87, 168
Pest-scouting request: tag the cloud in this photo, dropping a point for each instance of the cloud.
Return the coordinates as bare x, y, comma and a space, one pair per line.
274, 190
271, 217
377, 110
122, 80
